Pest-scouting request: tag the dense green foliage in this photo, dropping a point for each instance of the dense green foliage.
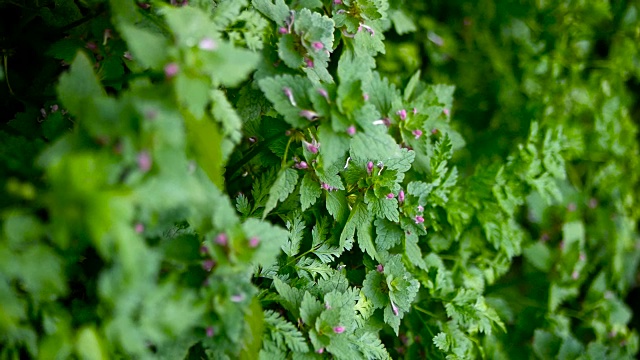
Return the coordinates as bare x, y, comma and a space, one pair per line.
315, 179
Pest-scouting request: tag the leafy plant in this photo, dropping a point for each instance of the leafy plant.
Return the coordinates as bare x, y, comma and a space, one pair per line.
277, 180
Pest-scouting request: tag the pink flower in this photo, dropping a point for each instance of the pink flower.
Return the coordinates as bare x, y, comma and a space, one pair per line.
207, 44
365, 96
575, 275
222, 239
402, 113
171, 70
593, 203
309, 115
367, 28
317, 45
390, 196
204, 250
401, 196
446, 111
144, 161
339, 329
320, 351
419, 219
571, 207
311, 147
208, 265
394, 308
380, 268
91, 46
324, 93
309, 62
283, 30
301, 165
254, 242
370, 167
139, 228
434, 131
210, 331
351, 130
420, 208
415, 111
289, 94
238, 298
417, 133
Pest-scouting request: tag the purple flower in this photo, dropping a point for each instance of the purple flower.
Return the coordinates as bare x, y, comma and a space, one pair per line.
311, 147
210, 332
91, 46
390, 196
324, 93
380, 268
317, 45
401, 196
301, 165
402, 113
321, 350
351, 130
309, 115
417, 133
339, 329
144, 161
337, 2
434, 131
54, 108
207, 44
593, 202
222, 239
420, 208
204, 250
238, 298
254, 242
139, 228
283, 30
370, 167
394, 308
368, 28
171, 70
208, 265
419, 219
289, 94
309, 62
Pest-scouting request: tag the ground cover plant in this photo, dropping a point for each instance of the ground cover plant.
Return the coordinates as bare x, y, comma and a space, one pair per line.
314, 179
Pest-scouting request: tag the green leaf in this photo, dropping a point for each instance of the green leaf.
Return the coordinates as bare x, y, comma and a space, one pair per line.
309, 191
79, 87
412, 250
310, 309
148, 48
271, 240
296, 228
311, 268
89, 345
284, 333
277, 89
359, 219
334, 146
281, 188
291, 297
192, 93
402, 23
204, 138
539, 255
388, 234
277, 12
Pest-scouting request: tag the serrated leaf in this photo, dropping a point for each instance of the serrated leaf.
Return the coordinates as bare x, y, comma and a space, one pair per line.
291, 297
277, 12
412, 250
311, 268
284, 333
371, 347
327, 253
334, 145
310, 309
296, 228
78, 87
388, 234
309, 191
281, 189
277, 90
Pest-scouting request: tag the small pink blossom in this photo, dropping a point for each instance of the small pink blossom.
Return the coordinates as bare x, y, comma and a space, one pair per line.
401, 196
222, 239
339, 329
171, 70
419, 219
238, 298
415, 111
446, 111
417, 133
402, 113
369, 29
320, 351
208, 265
420, 208
144, 161
210, 331
394, 308
309, 115
204, 250
254, 242
434, 131
139, 228
390, 196
208, 44
370, 167
324, 93
380, 268
91, 46
252, 139
283, 30
365, 96
317, 45
311, 147
308, 62
301, 165
289, 94
327, 306
351, 130
583, 256
337, 2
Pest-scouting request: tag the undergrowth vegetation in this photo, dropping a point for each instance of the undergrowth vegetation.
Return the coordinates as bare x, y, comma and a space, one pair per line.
349, 179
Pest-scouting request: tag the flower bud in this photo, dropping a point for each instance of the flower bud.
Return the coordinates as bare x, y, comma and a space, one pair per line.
207, 44
370, 167
144, 161
417, 133
317, 45
390, 196
171, 70
419, 219
222, 239
351, 130
254, 242
380, 268
339, 329
402, 113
